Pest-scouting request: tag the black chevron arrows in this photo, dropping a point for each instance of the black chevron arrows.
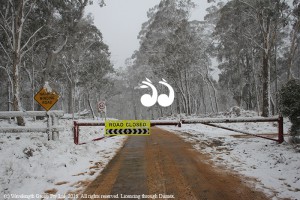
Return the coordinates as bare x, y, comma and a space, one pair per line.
127, 131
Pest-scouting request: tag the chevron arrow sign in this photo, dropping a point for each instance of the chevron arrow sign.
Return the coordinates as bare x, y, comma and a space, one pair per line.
127, 127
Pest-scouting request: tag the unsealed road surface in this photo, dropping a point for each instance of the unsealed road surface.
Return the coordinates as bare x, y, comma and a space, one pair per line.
166, 167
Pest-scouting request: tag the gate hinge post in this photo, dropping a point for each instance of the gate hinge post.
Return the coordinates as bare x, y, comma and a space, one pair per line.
179, 124
75, 130
280, 130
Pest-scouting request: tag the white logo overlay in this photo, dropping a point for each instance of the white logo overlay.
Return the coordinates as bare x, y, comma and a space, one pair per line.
163, 100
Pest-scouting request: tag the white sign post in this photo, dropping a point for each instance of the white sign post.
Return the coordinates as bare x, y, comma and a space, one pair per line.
102, 108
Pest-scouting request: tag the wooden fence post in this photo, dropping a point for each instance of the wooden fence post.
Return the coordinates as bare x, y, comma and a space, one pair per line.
55, 133
49, 125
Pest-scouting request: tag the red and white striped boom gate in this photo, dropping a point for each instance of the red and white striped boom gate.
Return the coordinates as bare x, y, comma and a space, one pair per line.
206, 121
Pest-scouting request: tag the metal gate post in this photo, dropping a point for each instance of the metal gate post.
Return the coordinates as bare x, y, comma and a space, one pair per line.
280, 130
75, 133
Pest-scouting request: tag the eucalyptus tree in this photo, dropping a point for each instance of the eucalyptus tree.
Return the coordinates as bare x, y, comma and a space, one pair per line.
170, 47
294, 38
18, 40
235, 54
33, 33
248, 30
83, 64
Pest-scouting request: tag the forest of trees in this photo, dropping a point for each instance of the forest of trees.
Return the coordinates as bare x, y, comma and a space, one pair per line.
254, 44
50, 41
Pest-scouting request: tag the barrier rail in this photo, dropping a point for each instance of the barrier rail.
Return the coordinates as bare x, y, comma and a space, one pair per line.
52, 122
211, 121
152, 123
205, 121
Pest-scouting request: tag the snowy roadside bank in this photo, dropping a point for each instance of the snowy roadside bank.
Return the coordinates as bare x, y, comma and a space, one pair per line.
32, 165
275, 166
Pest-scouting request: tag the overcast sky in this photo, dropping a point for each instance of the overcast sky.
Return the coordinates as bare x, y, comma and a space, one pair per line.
120, 22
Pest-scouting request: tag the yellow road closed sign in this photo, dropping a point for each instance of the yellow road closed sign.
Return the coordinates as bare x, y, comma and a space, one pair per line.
46, 99
127, 127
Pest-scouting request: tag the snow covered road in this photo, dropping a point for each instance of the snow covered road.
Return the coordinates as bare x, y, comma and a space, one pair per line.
275, 167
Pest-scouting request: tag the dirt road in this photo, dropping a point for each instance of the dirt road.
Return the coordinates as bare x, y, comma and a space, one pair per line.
163, 166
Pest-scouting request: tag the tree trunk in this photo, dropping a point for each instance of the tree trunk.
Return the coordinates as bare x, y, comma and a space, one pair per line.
32, 89
293, 49
91, 107
203, 99
47, 66
240, 95
195, 106
151, 113
16, 88
84, 104
183, 96
276, 79
8, 96
215, 93
74, 100
209, 93
79, 109
178, 105
9, 87
62, 96
204, 105
255, 84
51, 56
266, 85
181, 90
133, 103
17, 33
250, 98
272, 106
188, 96
70, 98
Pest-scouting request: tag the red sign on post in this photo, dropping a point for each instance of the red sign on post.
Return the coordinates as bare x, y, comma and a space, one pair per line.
101, 106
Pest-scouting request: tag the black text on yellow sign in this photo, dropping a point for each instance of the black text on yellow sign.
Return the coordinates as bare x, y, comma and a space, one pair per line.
127, 127
46, 99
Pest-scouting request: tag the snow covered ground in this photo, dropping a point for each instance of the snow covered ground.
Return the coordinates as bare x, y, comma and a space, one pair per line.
34, 167
275, 167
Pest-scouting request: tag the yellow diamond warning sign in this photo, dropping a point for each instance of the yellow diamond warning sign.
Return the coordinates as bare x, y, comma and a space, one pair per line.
46, 98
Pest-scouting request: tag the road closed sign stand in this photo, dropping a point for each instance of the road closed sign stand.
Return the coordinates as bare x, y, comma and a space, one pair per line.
101, 108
